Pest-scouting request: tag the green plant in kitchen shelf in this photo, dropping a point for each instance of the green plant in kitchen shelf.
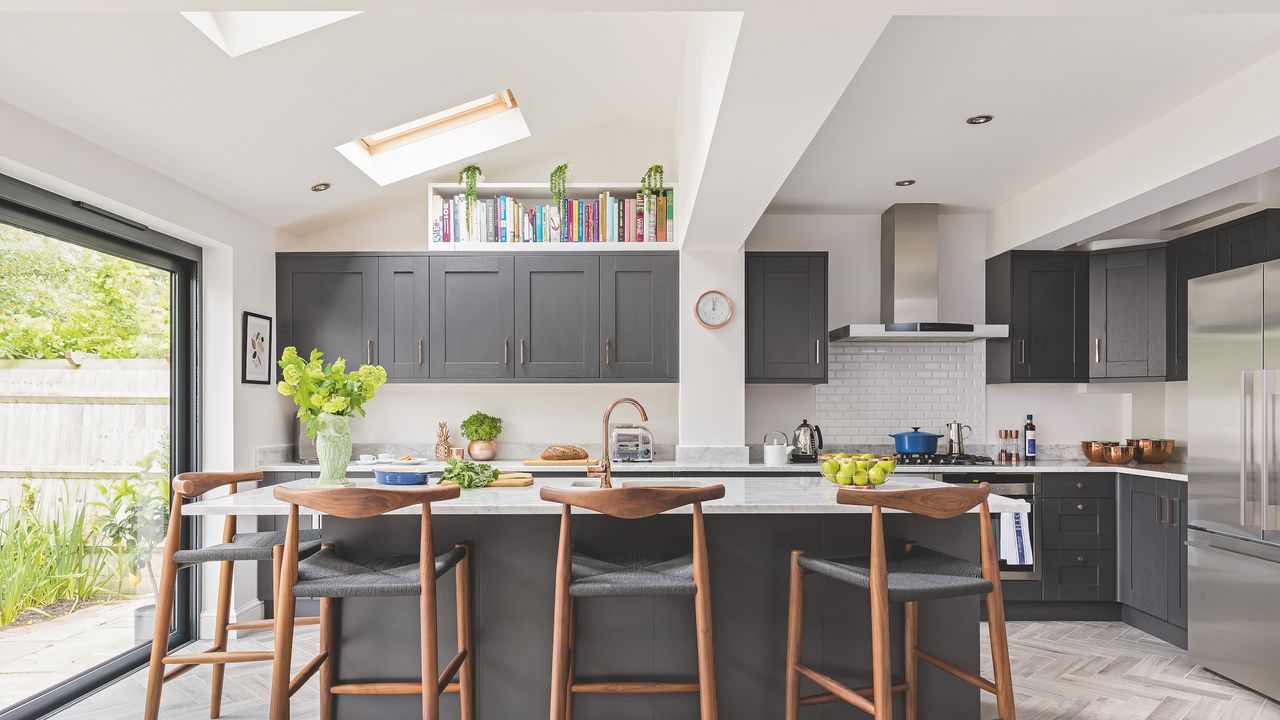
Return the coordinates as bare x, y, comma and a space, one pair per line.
327, 397
469, 176
557, 185
651, 182
481, 427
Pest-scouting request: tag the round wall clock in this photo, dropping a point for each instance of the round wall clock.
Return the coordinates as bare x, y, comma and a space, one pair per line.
713, 309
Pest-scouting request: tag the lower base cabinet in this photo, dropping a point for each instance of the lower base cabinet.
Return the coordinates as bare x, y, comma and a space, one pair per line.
1078, 537
1079, 575
1152, 515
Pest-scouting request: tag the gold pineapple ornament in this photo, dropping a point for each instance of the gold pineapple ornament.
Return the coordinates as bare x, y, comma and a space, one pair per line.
443, 442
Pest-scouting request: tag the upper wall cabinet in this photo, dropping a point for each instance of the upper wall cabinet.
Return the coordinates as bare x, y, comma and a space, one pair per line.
787, 317
487, 317
1044, 299
1127, 302
638, 321
329, 303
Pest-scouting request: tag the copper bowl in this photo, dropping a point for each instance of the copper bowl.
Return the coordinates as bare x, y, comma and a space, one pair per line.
1093, 449
1152, 452
1119, 454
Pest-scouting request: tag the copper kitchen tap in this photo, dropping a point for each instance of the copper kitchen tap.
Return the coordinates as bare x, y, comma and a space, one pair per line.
604, 471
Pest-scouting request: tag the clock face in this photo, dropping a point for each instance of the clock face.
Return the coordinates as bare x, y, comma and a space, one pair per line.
713, 309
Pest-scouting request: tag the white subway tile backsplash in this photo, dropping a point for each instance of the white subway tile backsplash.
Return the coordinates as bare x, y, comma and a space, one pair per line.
879, 388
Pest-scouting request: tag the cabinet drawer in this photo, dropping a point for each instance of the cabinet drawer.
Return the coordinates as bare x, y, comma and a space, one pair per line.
1078, 523
1073, 485
1079, 575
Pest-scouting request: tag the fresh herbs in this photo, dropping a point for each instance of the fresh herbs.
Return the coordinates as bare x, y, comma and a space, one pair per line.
467, 475
481, 427
469, 176
651, 181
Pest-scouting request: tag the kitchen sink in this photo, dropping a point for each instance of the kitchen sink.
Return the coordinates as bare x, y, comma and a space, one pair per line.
641, 482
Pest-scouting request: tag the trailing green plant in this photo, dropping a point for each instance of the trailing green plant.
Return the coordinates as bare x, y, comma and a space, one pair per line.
47, 553
57, 298
134, 514
481, 427
557, 185
317, 388
469, 176
651, 182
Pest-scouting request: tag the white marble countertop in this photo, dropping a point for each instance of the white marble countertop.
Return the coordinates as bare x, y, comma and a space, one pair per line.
791, 495
1168, 471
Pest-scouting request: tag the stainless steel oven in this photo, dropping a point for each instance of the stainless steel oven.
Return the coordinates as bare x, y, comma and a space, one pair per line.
1018, 486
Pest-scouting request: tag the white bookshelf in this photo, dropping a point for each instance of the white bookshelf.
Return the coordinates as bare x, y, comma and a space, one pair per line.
538, 191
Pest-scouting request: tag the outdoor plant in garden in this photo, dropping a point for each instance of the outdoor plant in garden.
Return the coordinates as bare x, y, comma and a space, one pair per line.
327, 397
134, 515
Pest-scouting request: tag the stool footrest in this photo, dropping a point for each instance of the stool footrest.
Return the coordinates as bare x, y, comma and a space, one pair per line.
975, 680
641, 687
307, 671
270, 624
218, 657
849, 695
824, 698
386, 688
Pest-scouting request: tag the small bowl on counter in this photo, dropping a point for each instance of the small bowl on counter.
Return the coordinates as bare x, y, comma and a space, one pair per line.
1119, 454
1151, 452
400, 475
1093, 449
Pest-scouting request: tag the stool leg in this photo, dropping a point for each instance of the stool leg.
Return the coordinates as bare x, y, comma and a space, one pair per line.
280, 664
466, 677
795, 631
220, 621
702, 618
911, 663
329, 646
560, 623
430, 642
164, 610
882, 670
568, 686
1000, 656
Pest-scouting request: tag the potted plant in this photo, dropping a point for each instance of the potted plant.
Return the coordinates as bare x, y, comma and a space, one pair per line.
469, 176
482, 430
651, 183
327, 397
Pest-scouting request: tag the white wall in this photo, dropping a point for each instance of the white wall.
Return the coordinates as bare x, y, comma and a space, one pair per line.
1068, 413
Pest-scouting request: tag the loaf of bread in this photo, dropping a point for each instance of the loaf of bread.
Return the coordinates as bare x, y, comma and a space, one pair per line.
564, 452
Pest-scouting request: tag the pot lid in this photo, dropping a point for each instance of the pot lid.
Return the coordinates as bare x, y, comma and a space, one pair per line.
915, 432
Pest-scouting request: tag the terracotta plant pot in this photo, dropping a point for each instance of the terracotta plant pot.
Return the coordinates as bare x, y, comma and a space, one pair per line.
482, 449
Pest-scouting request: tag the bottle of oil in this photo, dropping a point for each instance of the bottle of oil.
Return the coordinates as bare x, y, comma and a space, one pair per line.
1029, 440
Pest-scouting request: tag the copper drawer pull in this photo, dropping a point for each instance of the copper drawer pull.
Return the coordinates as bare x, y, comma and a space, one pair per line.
521, 351
1080, 507
1079, 486
369, 354
606, 352
1079, 558
419, 351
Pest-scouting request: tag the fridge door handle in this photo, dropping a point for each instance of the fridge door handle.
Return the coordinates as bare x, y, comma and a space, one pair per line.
1246, 443
1268, 439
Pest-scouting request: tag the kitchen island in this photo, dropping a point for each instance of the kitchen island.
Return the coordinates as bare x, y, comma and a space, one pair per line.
750, 534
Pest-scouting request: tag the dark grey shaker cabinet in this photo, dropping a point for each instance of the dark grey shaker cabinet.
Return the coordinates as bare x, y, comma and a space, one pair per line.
1176, 550
1127, 302
787, 317
1188, 258
557, 321
638, 322
329, 303
472, 309
403, 284
1143, 545
1044, 299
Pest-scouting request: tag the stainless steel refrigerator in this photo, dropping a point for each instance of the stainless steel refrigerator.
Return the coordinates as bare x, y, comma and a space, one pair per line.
1233, 552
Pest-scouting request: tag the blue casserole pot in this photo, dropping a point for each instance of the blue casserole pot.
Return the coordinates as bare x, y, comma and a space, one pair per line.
395, 475
915, 442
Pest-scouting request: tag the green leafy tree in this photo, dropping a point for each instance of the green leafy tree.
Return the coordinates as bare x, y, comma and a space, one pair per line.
56, 298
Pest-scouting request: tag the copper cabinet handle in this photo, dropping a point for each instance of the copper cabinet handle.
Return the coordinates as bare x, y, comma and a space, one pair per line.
419, 351
369, 354
817, 351
521, 351
1079, 558
1175, 512
1159, 521
1080, 507
506, 351
1097, 350
1079, 486
1022, 351
606, 352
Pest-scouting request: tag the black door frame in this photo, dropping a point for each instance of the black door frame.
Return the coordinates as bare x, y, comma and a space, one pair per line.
55, 216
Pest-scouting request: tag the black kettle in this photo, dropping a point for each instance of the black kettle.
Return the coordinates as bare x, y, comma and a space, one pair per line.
807, 441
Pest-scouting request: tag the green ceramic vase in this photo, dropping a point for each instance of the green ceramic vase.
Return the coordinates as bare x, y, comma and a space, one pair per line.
333, 447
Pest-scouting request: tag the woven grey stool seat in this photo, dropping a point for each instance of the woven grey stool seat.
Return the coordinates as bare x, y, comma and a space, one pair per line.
246, 546
631, 576
921, 574
326, 575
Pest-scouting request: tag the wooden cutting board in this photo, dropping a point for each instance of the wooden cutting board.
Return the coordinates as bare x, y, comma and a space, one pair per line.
511, 480
561, 463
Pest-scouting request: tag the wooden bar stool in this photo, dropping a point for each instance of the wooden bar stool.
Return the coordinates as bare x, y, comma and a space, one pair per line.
235, 546
578, 575
330, 577
909, 577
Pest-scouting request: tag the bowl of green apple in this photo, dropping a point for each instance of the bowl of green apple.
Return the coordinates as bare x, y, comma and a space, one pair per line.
862, 471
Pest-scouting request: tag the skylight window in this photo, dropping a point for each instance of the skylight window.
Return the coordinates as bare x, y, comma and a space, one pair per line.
240, 31
438, 139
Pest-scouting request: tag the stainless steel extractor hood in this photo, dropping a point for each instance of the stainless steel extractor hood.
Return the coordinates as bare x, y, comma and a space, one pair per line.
909, 285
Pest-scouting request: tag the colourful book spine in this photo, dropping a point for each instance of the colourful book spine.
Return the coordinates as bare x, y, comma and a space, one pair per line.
671, 216
661, 234
502, 218
447, 221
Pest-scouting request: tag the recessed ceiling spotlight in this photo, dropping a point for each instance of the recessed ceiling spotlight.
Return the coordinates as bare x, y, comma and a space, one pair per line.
320, 187
980, 119
905, 183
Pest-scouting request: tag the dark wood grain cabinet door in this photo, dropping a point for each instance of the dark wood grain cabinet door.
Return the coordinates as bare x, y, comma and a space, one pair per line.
1127, 303
787, 317
1176, 550
1188, 258
1144, 545
329, 303
472, 311
403, 325
557, 317
1050, 317
638, 323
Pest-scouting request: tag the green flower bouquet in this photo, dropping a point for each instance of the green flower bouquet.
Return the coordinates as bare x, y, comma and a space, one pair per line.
327, 397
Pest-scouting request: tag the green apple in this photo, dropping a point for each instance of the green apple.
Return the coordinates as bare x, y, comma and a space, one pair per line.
831, 467
876, 475
861, 477
863, 464
843, 455
888, 466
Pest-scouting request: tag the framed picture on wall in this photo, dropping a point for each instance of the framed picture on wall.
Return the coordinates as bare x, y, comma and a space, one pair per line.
255, 353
